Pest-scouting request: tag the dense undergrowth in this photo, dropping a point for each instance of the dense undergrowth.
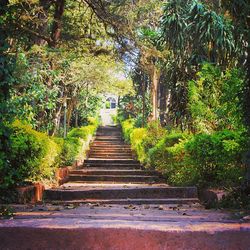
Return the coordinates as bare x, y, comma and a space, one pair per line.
204, 160
35, 156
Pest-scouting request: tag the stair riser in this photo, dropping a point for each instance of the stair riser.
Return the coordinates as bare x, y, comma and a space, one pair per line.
108, 144
113, 135
133, 202
104, 142
116, 179
108, 140
111, 148
117, 152
110, 153
103, 167
100, 161
106, 156
156, 193
118, 172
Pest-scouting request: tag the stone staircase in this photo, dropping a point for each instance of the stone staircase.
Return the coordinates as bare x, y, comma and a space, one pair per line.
111, 175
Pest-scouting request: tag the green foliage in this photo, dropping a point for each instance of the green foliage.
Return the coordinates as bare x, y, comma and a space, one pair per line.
131, 107
127, 128
237, 198
142, 139
168, 156
204, 160
34, 156
215, 99
6, 212
71, 149
217, 157
137, 136
154, 134
76, 142
82, 132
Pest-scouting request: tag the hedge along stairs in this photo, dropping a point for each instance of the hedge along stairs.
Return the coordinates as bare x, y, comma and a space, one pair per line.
111, 175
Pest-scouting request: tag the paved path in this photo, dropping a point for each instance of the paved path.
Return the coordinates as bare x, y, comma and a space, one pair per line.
116, 204
111, 175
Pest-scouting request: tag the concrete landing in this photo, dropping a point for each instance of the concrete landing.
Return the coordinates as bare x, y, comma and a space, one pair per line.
95, 226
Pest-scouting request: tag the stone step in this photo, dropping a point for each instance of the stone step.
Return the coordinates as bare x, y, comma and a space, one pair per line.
108, 143
110, 147
108, 139
110, 161
100, 153
115, 134
114, 172
122, 193
99, 150
110, 156
168, 201
114, 178
111, 166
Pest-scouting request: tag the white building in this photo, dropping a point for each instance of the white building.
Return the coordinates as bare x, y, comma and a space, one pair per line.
109, 110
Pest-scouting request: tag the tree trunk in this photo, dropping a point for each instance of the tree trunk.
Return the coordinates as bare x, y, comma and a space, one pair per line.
155, 78
43, 21
57, 120
57, 24
247, 115
163, 102
76, 118
4, 74
143, 102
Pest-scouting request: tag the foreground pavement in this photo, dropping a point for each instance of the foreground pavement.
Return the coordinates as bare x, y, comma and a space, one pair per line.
100, 226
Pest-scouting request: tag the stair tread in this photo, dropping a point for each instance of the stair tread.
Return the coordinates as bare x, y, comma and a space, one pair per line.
114, 170
137, 176
131, 201
111, 175
142, 187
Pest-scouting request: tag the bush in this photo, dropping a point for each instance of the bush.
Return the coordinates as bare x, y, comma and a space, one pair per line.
83, 132
93, 121
154, 134
34, 156
142, 139
168, 155
202, 160
75, 145
136, 138
127, 128
217, 157
71, 150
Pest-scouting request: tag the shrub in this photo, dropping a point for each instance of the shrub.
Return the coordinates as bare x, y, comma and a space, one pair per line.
83, 132
168, 155
71, 150
127, 128
217, 157
93, 121
76, 143
154, 134
34, 156
136, 138
215, 99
